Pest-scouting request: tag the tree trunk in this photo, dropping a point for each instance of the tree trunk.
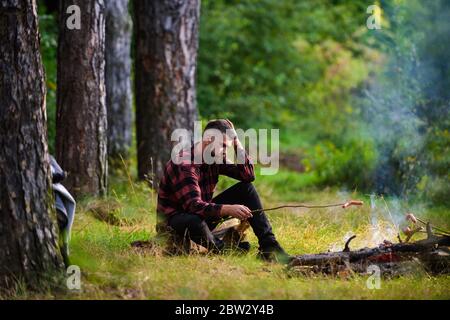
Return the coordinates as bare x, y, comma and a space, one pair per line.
165, 66
28, 235
118, 78
81, 124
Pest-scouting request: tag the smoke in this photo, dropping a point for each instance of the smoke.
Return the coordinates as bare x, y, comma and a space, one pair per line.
403, 104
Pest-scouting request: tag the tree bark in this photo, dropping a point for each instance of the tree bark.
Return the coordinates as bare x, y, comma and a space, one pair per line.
165, 66
28, 235
81, 123
118, 78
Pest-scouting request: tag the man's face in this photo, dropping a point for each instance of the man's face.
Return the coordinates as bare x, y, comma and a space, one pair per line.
216, 143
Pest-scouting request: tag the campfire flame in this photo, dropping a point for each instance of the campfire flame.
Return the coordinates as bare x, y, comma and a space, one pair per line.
385, 223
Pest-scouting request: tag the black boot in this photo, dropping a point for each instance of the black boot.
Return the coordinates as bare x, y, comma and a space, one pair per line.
217, 247
208, 240
243, 246
273, 252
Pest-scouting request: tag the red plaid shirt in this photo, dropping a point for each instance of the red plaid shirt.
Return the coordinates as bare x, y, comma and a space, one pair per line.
189, 187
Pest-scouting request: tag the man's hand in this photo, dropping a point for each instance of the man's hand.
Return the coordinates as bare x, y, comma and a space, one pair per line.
236, 142
236, 210
230, 123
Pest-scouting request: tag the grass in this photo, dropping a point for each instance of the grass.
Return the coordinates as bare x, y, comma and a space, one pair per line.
111, 269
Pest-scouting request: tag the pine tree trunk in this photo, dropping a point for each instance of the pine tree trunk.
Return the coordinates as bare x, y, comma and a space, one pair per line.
28, 235
165, 67
81, 123
118, 78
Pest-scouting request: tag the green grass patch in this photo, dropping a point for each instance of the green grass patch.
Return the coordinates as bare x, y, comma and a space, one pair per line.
112, 269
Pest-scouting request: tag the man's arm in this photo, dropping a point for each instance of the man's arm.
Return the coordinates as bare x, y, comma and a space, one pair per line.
241, 171
188, 193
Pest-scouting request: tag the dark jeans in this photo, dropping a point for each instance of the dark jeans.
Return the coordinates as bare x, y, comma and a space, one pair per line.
199, 229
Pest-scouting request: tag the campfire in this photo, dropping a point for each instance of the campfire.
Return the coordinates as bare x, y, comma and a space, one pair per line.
431, 253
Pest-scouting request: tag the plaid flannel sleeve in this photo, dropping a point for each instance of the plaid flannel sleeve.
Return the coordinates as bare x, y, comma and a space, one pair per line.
188, 193
243, 170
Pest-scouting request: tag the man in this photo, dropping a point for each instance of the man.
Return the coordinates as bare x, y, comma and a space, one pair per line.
185, 196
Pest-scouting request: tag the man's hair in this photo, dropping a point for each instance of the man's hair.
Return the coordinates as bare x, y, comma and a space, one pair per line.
219, 124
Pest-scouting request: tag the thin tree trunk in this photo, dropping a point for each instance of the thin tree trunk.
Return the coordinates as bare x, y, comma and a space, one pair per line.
28, 235
118, 78
81, 124
165, 66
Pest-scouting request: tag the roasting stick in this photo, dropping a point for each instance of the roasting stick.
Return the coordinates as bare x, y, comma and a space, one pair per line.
343, 205
436, 233
434, 227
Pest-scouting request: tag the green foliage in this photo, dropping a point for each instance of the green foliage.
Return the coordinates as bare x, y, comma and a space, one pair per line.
349, 166
435, 184
48, 29
295, 66
266, 63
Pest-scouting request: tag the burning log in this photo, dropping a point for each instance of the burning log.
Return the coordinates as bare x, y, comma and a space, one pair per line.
432, 252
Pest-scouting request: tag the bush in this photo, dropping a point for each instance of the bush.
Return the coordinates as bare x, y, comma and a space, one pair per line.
350, 165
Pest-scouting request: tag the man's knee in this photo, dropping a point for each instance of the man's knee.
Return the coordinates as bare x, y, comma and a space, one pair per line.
195, 223
186, 222
245, 186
